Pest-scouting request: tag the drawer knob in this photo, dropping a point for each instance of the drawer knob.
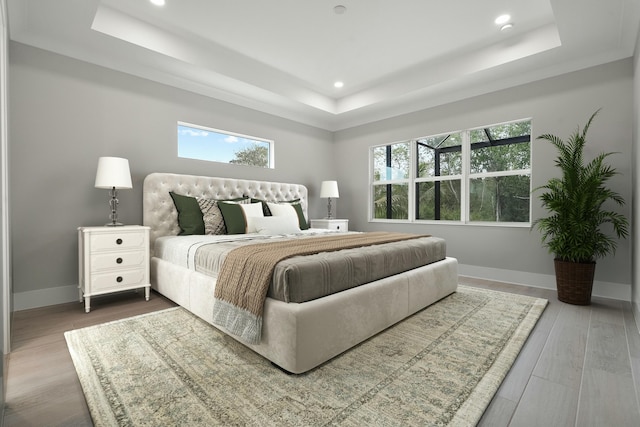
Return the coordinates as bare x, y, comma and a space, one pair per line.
119, 260
119, 279
119, 241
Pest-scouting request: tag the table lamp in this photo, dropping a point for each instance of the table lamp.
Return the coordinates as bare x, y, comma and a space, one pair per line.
113, 173
329, 189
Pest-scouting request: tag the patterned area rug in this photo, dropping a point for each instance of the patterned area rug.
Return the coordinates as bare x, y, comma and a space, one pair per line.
439, 367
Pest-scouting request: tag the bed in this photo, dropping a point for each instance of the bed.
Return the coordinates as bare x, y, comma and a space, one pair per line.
295, 336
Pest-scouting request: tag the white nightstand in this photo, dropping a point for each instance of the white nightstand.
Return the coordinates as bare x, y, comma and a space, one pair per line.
112, 259
331, 224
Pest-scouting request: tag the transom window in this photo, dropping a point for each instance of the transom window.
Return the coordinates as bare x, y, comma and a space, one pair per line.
202, 143
476, 175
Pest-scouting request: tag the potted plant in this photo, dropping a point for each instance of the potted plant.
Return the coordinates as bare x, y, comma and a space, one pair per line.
573, 231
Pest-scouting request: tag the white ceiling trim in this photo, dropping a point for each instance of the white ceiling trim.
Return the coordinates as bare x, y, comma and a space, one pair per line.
205, 55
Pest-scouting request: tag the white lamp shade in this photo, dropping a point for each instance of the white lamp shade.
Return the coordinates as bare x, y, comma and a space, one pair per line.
329, 189
113, 172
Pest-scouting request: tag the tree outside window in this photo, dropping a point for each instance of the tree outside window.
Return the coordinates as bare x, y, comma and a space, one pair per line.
391, 181
476, 175
202, 143
500, 177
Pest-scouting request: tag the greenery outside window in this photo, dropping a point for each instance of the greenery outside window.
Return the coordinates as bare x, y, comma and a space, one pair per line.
391, 181
438, 180
478, 175
202, 143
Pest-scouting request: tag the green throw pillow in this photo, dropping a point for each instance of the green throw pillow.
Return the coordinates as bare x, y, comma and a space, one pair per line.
212, 216
233, 216
301, 219
189, 214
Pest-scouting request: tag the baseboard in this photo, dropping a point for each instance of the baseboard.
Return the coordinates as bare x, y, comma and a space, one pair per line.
44, 297
619, 291
636, 313
5, 372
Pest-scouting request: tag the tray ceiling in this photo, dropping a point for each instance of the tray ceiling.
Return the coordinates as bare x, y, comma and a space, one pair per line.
283, 56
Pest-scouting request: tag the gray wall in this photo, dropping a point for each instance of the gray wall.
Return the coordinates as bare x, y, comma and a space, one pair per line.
556, 105
5, 284
635, 291
64, 114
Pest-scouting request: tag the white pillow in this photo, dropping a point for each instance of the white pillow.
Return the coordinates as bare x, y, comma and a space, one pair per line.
251, 212
282, 209
276, 225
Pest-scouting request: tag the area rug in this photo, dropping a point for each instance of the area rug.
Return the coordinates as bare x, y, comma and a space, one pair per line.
439, 367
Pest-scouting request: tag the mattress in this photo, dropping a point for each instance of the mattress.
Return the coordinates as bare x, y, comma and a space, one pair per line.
305, 278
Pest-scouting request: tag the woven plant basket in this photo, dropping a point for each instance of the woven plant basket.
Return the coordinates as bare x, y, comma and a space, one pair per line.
574, 281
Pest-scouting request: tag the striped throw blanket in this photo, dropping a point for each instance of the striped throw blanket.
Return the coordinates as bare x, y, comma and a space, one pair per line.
246, 273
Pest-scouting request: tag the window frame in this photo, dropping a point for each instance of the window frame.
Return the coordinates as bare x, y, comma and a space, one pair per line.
389, 182
464, 177
270, 142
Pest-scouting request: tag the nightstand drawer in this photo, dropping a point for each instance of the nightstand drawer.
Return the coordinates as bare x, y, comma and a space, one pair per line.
107, 260
337, 225
331, 224
118, 279
108, 241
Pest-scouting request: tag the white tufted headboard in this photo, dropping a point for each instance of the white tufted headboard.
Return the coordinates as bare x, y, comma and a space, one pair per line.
159, 212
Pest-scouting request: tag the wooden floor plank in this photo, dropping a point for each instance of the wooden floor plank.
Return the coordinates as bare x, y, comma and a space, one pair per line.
607, 396
607, 349
499, 413
633, 341
545, 403
516, 380
43, 390
606, 399
562, 359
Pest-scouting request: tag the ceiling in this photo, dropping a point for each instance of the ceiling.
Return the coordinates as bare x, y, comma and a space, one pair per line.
283, 56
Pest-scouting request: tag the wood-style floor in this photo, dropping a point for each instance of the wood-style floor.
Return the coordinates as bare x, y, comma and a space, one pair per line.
579, 367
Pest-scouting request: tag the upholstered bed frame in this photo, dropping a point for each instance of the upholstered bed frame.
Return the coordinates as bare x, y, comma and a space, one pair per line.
296, 337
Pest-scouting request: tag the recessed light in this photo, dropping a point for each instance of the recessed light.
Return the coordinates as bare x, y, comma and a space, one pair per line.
340, 9
157, 2
502, 19
506, 27
338, 84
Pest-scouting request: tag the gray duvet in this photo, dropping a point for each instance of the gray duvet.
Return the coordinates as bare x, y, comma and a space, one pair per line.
304, 278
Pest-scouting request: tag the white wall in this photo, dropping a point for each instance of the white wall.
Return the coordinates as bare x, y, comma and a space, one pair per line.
557, 105
64, 114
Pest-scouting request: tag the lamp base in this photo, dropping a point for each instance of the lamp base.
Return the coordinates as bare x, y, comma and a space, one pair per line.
113, 203
329, 214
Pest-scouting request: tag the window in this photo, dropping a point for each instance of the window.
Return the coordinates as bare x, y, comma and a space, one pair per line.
391, 181
439, 177
198, 142
478, 175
